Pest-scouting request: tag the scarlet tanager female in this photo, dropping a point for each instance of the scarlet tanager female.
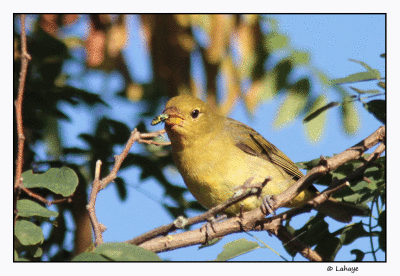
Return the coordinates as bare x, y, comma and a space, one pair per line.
215, 154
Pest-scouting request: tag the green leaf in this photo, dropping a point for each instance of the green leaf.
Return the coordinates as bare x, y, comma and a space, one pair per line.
21, 260
370, 74
90, 257
363, 64
61, 181
276, 41
371, 91
236, 248
360, 191
378, 109
316, 118
382, 220
47, 48
342, 92
300, 58
352, 232
361, 76
120, 132
329, 247
382, 84
29, 208
281, 72
125, 252
322, 78
350, 117
268, 86
121, 188
382, 240
38, 253
382, 234
314, 231
28, 233
359, 255
294, 103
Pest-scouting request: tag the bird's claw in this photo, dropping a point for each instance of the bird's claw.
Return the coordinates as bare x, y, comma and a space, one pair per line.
266, 205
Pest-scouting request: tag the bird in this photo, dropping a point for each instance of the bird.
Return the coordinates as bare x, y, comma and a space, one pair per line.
215, 155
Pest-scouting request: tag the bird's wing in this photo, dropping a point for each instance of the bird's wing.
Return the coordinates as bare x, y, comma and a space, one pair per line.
251, 142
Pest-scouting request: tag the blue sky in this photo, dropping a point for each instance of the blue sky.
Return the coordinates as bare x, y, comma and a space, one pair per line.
330, 39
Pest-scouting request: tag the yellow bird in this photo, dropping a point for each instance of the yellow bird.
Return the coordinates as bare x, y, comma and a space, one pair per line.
215, 154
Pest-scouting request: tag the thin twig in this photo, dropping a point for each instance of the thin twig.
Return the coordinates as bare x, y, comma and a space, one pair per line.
25, 57
44, 200
99, 184
91, 205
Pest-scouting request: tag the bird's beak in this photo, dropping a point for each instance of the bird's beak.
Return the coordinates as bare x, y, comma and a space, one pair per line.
170, 116
174, 120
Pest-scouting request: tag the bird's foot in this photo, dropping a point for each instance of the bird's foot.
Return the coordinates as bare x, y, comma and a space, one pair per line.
266, 206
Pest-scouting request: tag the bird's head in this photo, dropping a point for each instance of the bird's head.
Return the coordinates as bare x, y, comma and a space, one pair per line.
187, 119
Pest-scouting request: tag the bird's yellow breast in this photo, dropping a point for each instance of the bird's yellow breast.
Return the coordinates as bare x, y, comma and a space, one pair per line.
211, 177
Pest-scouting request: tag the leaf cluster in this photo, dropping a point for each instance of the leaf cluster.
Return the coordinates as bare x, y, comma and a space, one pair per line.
28, 235
350, 120
369, 188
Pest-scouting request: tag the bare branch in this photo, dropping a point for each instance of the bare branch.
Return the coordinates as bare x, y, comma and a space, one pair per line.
97, 228
99, 184
25, 57
42, 199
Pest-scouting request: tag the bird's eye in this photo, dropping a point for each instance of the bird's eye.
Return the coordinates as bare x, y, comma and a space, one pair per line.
195, 113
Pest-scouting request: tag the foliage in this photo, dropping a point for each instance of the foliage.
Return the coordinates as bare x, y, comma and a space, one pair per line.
349, 115
236, 248
120, 252
253, 71
361, 191
28, 235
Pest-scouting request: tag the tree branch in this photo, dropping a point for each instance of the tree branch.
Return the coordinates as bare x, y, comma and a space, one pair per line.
44, 200
254, 220
326, 166
25, 57
181, 222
